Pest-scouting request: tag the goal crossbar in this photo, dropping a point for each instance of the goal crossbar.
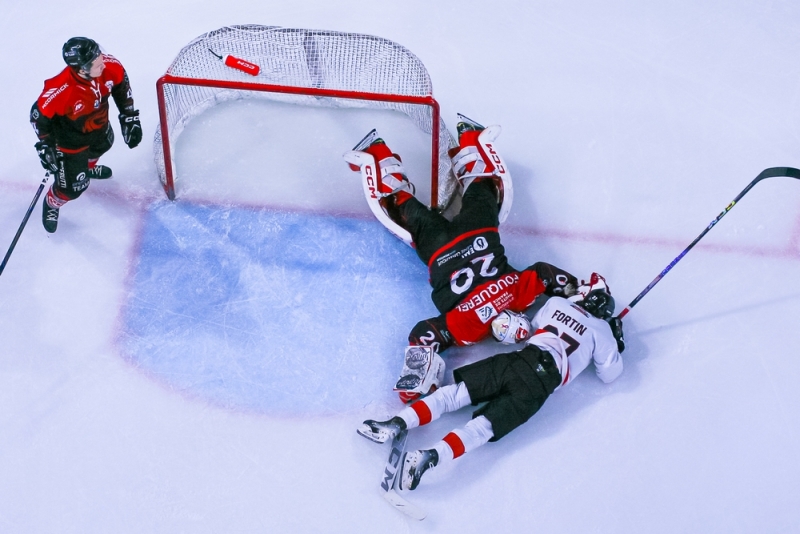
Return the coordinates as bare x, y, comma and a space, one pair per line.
168, 79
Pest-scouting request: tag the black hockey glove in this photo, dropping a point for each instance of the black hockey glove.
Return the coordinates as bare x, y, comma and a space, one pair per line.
131, 128
616, 328
48, 155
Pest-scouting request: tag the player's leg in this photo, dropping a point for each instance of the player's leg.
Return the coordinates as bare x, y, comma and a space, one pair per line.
70, 182
443, 400
513, 385
97, 148
391, 196
476, 160
458, 442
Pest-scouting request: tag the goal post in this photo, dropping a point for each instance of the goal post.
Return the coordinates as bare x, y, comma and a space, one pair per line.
304, 67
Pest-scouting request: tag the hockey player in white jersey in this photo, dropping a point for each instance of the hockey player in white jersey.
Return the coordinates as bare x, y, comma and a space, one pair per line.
567, 335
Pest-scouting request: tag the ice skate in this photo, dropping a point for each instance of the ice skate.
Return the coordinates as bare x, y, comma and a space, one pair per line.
99, 172
465, 124
415, 464
381, 431
49, 217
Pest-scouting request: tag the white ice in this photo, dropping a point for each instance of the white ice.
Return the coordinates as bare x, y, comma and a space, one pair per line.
201, 366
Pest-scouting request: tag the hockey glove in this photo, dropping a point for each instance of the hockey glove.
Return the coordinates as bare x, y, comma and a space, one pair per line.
48, 155
616, 328
131, 128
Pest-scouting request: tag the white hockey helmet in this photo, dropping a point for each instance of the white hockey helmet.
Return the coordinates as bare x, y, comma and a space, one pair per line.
510, 327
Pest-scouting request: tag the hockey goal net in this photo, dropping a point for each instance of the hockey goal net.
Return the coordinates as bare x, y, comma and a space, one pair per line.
304, 67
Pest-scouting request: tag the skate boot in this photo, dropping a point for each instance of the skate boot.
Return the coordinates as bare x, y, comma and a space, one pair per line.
99, 172
49, 217
381, 431
466, 124
415, 464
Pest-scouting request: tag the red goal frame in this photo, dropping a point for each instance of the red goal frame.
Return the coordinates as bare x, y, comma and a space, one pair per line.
169, 186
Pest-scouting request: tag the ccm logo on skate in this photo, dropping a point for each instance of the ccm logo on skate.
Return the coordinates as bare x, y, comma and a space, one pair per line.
498, 163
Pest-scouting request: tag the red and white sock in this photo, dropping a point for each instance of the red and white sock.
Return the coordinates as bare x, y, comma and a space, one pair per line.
462, 440
443, 400
54, 199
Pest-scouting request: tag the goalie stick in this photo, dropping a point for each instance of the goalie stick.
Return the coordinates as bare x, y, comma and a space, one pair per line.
789, 172
391, 479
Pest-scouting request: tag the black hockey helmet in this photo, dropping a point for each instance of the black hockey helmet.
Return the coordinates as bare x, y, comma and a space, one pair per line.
79, 52
599, 303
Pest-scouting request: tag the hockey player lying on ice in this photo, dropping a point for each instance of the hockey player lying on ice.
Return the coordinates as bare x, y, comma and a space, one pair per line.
568, 334
469, 272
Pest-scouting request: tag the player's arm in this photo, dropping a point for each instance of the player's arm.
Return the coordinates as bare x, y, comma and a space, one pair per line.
432, 332
123, 97
541, 277
41, 123
606, 355
46, 147
557, 281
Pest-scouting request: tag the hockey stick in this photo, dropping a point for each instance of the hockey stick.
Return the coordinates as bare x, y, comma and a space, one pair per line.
391, 479
772, 172
24, 222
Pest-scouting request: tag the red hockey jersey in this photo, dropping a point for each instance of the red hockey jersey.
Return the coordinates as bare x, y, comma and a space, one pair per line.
471, 320
74, 110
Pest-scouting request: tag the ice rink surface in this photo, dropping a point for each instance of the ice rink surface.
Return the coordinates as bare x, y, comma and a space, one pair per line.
201, 365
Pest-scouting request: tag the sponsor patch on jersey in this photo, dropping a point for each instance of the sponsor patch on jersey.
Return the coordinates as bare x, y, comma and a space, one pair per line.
486, 313
52, 93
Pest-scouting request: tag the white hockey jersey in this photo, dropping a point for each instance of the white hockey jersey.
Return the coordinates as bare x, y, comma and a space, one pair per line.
575, 338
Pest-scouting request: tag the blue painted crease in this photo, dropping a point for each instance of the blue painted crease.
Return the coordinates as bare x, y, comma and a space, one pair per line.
272, 311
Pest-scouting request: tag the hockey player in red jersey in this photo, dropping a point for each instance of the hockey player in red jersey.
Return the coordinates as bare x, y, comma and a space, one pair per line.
568, 335
469, 272
70, 117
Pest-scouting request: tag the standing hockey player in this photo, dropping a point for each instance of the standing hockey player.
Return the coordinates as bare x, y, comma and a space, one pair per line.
469, 272
70, 118
568, 335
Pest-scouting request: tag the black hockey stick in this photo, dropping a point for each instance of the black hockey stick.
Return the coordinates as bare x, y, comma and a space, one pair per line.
24, 222
789, 172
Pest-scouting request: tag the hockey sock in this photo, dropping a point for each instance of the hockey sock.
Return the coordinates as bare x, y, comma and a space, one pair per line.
443, 400
462, 440
54, 200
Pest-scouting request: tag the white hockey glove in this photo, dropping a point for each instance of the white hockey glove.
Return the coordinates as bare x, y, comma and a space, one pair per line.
511, 327
423, 370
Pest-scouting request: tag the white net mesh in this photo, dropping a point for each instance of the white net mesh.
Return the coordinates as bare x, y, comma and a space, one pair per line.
301, 58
